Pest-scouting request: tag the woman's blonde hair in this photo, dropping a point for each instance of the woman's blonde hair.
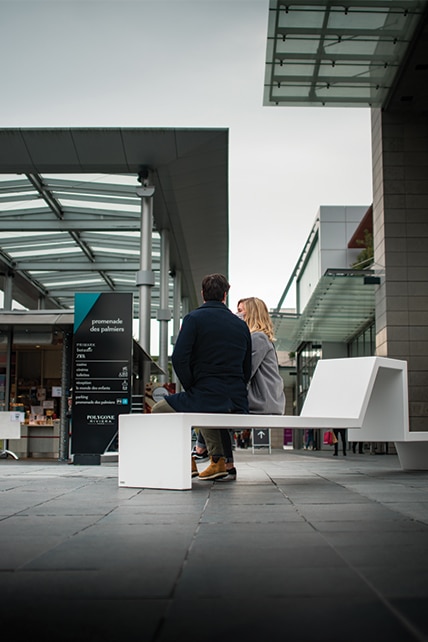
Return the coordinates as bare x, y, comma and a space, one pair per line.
257, 316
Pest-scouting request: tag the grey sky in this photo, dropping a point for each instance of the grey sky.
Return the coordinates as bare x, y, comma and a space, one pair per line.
190, 63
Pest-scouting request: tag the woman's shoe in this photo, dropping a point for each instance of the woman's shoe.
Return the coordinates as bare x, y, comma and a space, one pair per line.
200, 456
231, 475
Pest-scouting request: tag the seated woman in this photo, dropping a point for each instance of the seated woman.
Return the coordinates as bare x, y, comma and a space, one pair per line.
266, 387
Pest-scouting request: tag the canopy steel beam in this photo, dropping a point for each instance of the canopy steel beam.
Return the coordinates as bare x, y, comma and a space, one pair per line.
81, 225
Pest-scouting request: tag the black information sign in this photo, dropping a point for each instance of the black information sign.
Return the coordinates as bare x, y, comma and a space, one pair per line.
102, 367
261, 437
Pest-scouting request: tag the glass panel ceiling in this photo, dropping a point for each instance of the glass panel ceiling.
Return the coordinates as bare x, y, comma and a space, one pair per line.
338, 53
342, 305
74, 233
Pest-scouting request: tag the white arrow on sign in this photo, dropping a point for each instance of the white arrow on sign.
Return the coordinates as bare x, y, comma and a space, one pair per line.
261, 434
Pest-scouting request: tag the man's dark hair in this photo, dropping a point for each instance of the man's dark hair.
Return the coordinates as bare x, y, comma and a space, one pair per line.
214, 286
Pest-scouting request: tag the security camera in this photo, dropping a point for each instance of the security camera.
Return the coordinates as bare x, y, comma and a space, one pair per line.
145, 190
143, 175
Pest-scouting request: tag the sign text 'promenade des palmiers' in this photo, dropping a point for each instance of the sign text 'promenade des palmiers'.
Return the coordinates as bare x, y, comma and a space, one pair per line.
102, 367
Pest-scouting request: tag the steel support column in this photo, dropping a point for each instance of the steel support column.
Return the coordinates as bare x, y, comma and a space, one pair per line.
176, 316
145, 277
64, 427
164, 313
8, 291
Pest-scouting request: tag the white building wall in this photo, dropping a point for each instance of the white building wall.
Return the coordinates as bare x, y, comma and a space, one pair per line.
336, 224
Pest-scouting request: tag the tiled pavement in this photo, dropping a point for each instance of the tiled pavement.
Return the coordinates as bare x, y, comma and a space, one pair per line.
304, 547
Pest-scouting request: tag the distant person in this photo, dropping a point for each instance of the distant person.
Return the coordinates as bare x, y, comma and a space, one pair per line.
310, 440
244, 438
212, 360
339, 432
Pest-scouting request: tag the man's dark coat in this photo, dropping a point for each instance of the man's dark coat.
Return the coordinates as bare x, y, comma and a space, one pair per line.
212, 360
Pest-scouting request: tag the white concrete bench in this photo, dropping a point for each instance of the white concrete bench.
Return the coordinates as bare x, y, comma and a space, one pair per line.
10, 428
367, 395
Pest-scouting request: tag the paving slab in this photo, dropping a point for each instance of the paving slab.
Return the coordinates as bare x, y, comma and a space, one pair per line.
303, 547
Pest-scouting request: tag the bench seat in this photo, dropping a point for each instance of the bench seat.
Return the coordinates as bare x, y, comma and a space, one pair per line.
366, 395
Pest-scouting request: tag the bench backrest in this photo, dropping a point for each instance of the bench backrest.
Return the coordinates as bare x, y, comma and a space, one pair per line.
371, 389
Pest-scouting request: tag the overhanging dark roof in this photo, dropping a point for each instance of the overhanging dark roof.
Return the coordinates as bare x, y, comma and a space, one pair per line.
56, 226
346, 53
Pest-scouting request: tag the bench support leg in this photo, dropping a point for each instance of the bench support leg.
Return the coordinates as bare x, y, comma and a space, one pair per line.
140, 442
413, 455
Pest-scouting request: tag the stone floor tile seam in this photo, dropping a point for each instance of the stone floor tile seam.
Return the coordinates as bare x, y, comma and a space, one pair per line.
399, 508
298, 507
184, 561
388, 603
374, 497
396, 613
390, 606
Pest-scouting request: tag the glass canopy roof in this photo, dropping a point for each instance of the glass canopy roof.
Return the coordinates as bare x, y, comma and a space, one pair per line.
337, 52
74, 233
342, 305
70, 217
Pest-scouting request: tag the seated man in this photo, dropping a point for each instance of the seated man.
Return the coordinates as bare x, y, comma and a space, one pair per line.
212, 360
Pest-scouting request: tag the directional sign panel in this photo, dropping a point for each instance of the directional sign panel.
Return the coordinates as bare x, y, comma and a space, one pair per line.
261, 438
102, 366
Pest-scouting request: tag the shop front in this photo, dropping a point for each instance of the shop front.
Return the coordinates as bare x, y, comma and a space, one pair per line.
32, 380
36, 380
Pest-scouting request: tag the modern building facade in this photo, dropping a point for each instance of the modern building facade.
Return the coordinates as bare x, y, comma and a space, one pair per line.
335, 298
373, 55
